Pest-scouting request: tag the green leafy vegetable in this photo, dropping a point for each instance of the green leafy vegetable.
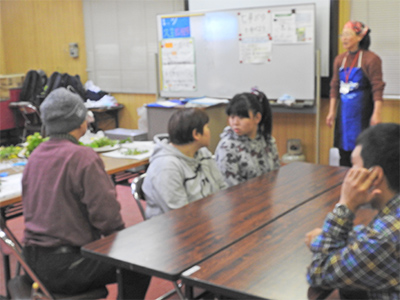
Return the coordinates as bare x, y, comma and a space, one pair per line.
101, 142
135, 151
127, 140
9, 152
33, 141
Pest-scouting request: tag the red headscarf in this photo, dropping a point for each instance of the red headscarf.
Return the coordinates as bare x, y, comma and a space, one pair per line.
358, 27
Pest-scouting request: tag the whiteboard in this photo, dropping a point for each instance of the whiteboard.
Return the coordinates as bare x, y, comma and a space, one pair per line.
221, 66
323, 11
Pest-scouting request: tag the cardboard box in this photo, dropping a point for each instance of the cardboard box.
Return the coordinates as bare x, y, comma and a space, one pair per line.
122, 134
4, 94
9, 116
8, 82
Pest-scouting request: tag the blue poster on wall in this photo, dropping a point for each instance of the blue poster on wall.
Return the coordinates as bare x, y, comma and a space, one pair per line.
175, 27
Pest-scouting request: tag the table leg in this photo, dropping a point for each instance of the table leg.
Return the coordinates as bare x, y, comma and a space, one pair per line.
116, 119
189, 291
119, 284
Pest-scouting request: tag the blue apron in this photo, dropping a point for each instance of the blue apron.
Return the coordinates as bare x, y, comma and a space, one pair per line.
355, 107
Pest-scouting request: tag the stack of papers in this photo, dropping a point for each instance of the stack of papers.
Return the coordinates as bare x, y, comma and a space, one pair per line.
189, 102
166, 103
10, 186
206, 101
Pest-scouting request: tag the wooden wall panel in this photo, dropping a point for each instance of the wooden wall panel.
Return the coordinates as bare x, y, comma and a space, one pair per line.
18, 36
295, 126
325, 135
2, 60
391, 111
344, 16
36, 35
129, 117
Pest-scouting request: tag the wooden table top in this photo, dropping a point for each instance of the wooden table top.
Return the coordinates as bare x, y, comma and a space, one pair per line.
169, 244
271, 263
10, 201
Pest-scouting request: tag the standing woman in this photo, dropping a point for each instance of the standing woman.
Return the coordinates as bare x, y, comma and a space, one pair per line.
357, 83
247, 149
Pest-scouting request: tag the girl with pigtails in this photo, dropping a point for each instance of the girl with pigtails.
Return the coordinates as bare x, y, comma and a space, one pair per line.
247, 149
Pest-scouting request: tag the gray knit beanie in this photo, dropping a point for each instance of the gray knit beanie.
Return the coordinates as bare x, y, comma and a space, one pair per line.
62, 111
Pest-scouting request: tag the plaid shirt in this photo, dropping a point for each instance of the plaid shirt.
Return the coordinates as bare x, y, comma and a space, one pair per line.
363, 257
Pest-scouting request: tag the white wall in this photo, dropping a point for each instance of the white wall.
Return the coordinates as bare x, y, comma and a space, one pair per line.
121, 42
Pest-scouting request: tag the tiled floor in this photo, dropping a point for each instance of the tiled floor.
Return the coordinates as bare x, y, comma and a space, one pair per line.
131, 216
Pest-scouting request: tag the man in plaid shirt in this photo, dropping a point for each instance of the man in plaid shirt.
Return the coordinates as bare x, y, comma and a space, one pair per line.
363, 262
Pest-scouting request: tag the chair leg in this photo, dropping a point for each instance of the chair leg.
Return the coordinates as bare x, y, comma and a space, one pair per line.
18, 268
178, 290
24, 132
6, 270
166, 295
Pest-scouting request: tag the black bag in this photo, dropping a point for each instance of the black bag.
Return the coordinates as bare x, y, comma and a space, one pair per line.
57, 80
53, 83
33, 87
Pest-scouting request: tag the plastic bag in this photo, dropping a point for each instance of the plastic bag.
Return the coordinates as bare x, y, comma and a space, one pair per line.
142, 123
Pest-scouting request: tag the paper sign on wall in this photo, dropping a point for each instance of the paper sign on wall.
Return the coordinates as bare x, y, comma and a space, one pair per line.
293, 27
254, 36
178, 65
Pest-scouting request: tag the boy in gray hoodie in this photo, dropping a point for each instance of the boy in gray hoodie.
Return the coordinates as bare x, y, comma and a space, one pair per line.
182, 169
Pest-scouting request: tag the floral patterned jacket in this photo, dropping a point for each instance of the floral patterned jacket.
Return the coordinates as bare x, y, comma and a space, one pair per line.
240, 158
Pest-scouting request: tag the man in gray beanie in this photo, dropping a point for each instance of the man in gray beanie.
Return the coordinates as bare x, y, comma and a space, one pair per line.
62, 111
68, 201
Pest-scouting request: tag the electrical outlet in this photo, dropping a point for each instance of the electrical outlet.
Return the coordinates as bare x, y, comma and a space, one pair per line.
73, 50
294, 147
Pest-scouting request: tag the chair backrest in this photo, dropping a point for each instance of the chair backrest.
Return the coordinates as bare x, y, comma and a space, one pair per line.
16, 249
137, 192
29, 112
31, 117
160, 136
